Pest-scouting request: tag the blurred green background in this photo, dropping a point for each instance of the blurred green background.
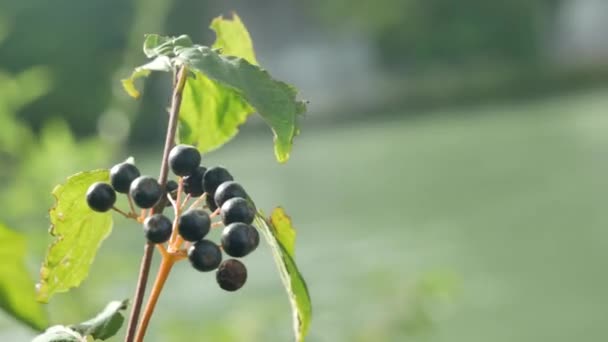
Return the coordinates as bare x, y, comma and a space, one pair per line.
449, 183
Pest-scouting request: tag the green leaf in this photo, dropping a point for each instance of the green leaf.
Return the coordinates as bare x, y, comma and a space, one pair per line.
103, 326
280, 235
59, 333
157, 45
17, 290
211, 113
160, 63
78, 231
274, 100
106, 324
232, 38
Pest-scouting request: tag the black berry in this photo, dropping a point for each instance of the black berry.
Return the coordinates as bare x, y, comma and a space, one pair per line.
228, 190
193, 184
157, 228
215, 176
122, 175
231, 275
145, 191
237, 210
204, 255
101, 197
171, 186
184, 159
194, 224
239, 239
211, 203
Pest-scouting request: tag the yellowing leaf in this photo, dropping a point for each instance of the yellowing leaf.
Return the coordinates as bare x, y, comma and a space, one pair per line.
233, 39
280, 235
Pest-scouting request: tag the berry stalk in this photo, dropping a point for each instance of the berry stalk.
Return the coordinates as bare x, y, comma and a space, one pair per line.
161, 277
162, 179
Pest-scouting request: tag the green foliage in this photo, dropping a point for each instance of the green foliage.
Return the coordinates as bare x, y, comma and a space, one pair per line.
211, 113
17, 293
78, 233
280, 235
106, 324
224, 90
103, 326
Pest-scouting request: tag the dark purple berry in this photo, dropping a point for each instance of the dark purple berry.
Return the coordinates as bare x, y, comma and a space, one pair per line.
239, 239
101, 197
194, 224
184, 159
204, 255
231, 275
145, 191
193, 184
228, 190
211, 203
122, 175
157, 228
214, 176
237, 209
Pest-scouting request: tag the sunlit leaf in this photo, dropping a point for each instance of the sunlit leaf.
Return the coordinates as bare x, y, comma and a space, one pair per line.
274, 100
160, 63
280, 235
211, 113
78, 232
17, 291
232, 38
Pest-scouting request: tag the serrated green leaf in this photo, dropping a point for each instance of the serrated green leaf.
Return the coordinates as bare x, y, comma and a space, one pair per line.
280, 235
17, 291
59, 333
274, 100
78, 232
232, 38
160, 63
106, 324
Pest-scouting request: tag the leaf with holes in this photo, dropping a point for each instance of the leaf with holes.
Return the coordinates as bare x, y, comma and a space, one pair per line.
78, 232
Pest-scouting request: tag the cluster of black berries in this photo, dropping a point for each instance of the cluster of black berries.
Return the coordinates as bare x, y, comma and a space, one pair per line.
239, 237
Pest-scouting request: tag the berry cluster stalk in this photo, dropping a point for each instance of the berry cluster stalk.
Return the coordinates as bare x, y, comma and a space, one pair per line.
162, 179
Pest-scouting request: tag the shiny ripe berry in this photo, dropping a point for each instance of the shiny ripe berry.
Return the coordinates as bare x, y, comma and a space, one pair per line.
239, 239
184, 159
157, 228
101, 197
231, 275
215, 176
122, 175
193, 184
194, 224
204, 255
237, 210
145, 191
211, 203
228, 190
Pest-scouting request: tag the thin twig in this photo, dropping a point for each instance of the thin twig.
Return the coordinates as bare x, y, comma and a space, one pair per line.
198, 201
162, 179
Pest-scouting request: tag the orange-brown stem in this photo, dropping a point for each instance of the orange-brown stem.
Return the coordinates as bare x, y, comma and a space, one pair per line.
161, 277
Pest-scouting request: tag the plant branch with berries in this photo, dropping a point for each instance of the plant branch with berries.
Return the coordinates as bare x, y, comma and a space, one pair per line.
215, 90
